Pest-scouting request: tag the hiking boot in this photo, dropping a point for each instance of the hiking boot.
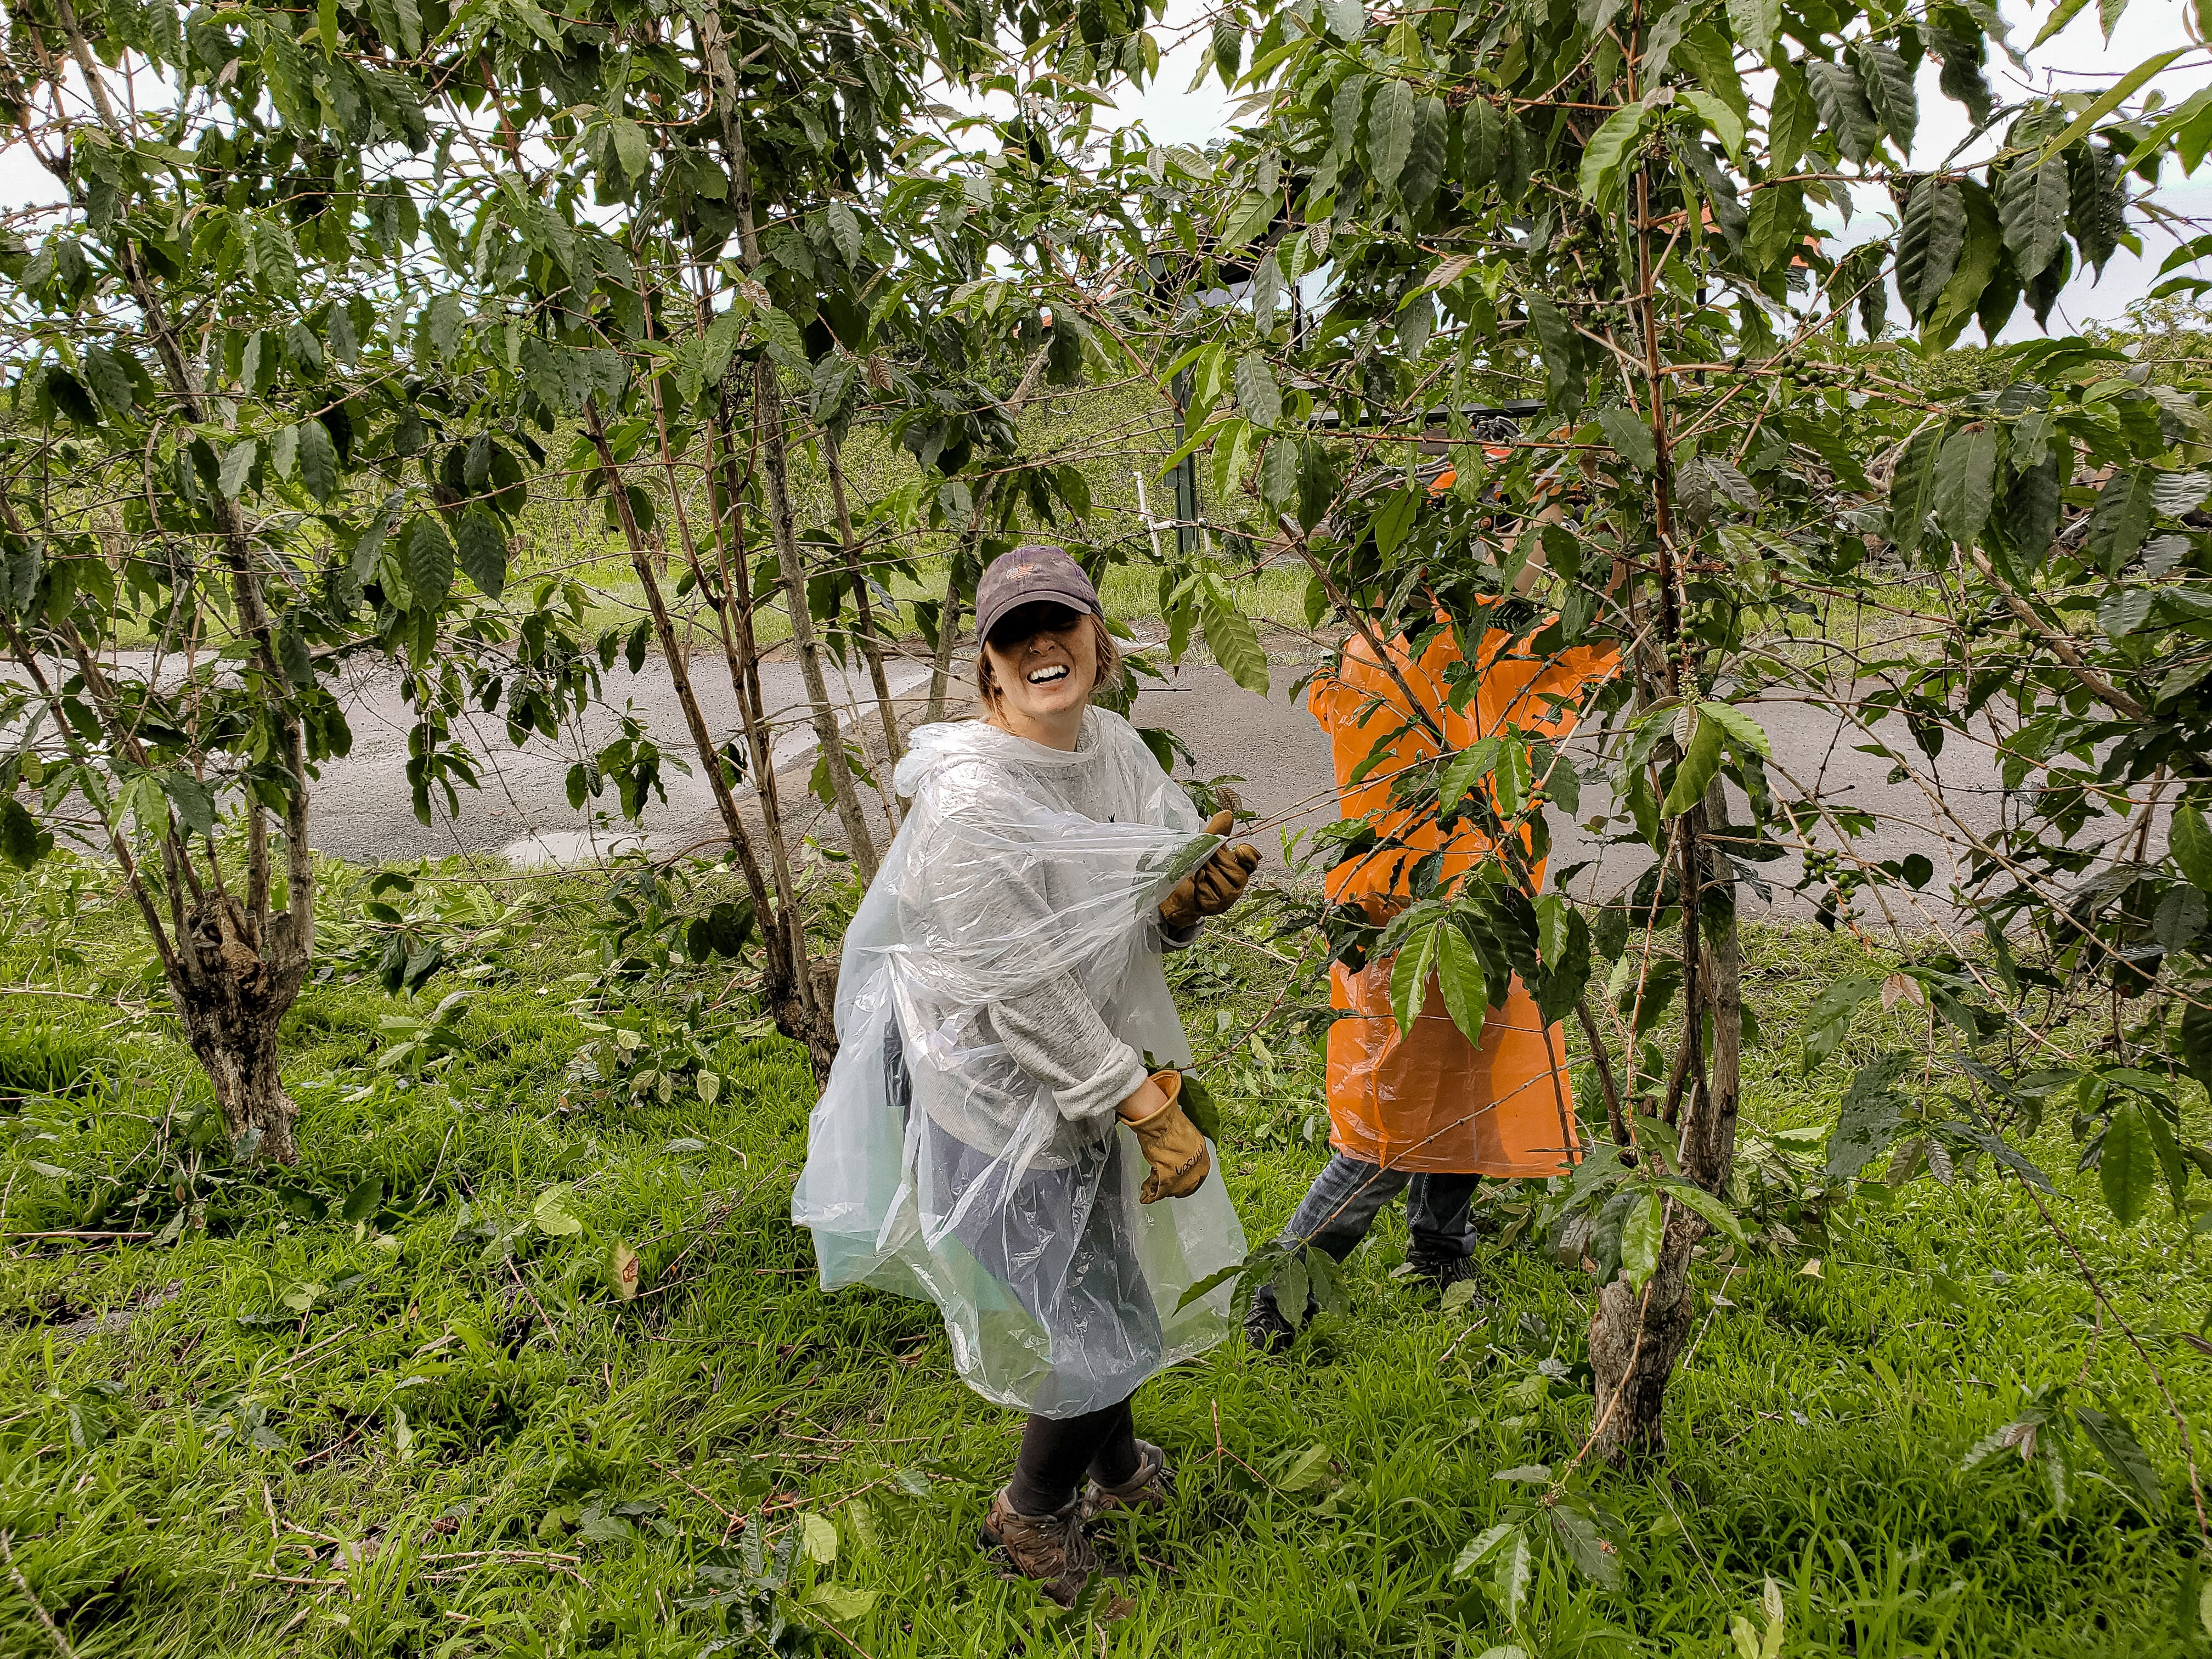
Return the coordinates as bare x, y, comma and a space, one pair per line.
1442, 1269
1049, 1549
1145, 1492
1266, 1329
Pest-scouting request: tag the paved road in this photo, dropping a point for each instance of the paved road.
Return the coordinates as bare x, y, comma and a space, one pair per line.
1278, 747
361, 808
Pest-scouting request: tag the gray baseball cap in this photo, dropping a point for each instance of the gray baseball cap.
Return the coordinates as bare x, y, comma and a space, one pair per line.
1028, 575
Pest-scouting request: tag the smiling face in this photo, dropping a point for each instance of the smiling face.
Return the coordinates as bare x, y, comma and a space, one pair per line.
1044, 664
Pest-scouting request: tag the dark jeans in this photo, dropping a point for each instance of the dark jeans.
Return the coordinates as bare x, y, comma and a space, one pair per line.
1058, 1452
1345, 1199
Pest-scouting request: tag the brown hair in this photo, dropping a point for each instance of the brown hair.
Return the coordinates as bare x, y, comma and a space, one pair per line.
1104, 649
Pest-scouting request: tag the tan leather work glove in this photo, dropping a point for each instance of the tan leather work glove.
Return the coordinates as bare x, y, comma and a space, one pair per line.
1215, 885
1171, 1143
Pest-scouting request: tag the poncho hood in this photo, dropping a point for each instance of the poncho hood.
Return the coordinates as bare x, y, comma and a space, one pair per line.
932, 748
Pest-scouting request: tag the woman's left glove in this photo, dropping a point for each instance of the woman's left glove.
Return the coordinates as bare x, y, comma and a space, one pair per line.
1215, 885
1171, 1143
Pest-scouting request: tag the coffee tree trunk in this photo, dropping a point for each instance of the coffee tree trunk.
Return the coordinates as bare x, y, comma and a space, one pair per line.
232, 993
864, 633
769, 426
1636, 1337
794, 996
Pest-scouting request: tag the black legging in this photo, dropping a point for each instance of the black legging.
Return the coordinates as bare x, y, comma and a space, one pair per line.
1058, 1452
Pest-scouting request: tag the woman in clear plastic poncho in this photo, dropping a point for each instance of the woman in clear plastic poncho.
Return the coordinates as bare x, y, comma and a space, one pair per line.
991, 1137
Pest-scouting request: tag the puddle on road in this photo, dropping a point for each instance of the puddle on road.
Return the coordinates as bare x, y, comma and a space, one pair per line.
566, 848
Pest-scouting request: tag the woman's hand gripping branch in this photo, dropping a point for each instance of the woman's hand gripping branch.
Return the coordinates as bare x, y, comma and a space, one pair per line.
1215, 885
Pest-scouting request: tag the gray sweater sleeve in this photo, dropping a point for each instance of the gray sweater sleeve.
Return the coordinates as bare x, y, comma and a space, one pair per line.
1055, 1036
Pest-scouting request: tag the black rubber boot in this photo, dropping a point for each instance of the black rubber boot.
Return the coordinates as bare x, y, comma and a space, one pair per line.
1441, 1269
1266, 1328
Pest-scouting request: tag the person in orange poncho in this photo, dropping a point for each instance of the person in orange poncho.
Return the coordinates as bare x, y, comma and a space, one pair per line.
1432, 1113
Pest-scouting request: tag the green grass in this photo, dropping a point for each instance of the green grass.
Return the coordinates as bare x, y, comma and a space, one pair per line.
162, 1488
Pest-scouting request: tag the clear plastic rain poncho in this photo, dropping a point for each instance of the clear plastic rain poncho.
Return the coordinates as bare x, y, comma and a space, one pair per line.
1001, 984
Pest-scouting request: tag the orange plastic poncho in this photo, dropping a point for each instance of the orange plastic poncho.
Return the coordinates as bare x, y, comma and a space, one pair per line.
1433, 1102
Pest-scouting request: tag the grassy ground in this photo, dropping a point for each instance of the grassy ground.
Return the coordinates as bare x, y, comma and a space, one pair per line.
430, 1429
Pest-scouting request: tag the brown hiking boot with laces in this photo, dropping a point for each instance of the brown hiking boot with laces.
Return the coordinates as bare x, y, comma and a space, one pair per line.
1145, 1492
1050, 1549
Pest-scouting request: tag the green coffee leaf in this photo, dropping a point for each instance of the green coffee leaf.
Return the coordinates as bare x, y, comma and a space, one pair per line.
2122, 516
1606, 155
1912, 489
104, 372
1641, 1237
1345, 109
1871, 1115
1389, 130
1231, 638
1459, 974
1743, 730
2127, 1164
1424, 161
23, 840
1889, 85
2191, 844
483, 546
549, 1212
1257, 395
1467, 768
1278, 474
237, 463
817, 1536
428, 562
318, 460
1700, 765
843, 1605
2195, 1035
2030, 513
1928, 243
1409, 978
845, 230
1510, 780
1844, 109
1630, 437
1755, 23
1796, 119
1966, 477
2032, 203
1228, 41
2116, 1442
1714, 1213
1397, 519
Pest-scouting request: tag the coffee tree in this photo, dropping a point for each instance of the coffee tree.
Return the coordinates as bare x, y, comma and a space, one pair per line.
217, 478
716, 243
1609, 208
